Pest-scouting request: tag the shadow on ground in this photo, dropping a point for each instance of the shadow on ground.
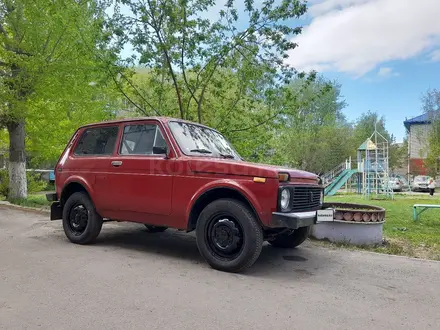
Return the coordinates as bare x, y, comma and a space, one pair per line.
291, 263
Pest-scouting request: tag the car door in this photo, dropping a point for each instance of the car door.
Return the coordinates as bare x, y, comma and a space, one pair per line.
90, 161
141, 172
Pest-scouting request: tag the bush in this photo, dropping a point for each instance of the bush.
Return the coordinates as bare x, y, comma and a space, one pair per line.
34, 182
4, 182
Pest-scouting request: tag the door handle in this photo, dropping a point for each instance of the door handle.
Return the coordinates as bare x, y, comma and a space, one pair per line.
116, 163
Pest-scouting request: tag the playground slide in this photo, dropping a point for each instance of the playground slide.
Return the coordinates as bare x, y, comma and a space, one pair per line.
337, 183
334, 182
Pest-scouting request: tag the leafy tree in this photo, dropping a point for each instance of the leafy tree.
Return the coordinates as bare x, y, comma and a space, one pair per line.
314, 136
398, 155
195, 55
229, 108
46, 57
365, 127
431, 106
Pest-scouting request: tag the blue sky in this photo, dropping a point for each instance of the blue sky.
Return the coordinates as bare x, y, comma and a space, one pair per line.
384, 53
394, 96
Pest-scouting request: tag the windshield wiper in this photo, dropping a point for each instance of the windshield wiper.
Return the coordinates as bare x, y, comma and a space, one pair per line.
202, 151
229, 156
207, 151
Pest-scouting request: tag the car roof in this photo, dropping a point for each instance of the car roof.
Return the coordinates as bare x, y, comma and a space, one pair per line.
132, 119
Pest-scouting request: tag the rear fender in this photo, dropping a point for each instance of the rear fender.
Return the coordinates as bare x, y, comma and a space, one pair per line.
78, 180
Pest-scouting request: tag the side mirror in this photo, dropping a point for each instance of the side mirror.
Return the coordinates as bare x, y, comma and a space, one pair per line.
160, 151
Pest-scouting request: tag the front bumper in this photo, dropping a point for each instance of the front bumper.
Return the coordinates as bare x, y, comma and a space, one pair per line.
293, 220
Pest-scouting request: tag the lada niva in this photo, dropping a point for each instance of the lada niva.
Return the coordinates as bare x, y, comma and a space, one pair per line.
170, 173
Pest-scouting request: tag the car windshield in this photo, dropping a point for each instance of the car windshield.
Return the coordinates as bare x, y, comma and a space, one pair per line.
199, 140
421, 178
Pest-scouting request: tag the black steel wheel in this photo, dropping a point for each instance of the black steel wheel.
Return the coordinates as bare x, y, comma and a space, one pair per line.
229, 236
78, 219
81, 223
225, 236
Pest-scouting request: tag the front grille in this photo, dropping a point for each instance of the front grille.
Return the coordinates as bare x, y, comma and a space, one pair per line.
305, 198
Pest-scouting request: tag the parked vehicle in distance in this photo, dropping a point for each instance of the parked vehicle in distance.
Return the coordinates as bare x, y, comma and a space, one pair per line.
398, 183
420, 183
168, 173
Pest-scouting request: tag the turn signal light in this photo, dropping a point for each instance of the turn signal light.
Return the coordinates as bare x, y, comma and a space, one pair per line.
283, 177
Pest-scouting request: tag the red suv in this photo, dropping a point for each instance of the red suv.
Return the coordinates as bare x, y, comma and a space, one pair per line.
170, 173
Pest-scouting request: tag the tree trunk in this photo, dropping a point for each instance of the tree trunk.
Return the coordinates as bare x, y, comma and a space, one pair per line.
17, 160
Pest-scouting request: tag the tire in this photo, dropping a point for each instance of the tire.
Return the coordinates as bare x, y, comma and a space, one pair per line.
78, 229
155, 229
229, 236
290, 240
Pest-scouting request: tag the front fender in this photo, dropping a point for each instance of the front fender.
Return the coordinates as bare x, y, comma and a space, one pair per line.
226, 183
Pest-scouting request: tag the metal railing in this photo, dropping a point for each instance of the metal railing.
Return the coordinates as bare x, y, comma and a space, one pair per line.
328, 177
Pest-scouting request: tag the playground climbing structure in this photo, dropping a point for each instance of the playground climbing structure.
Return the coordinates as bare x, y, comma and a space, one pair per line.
369, 175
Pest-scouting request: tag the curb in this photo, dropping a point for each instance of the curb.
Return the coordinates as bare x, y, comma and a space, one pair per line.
24, 208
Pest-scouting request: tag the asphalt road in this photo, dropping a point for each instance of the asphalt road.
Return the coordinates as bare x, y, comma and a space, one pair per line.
131, 279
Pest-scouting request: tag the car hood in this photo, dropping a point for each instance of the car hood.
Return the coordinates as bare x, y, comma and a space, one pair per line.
233, 167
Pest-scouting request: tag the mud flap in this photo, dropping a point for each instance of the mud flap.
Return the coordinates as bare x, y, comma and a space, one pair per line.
56, 212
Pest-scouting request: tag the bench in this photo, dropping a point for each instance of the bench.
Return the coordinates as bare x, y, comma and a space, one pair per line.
423, 208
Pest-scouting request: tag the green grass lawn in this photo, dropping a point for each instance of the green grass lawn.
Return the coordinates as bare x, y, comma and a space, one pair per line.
404, 235
33, 200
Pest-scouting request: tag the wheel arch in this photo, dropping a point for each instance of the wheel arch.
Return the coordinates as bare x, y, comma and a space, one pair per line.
72, 187
213, 194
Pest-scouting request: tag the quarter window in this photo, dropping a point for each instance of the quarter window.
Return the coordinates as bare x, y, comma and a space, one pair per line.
140, 139
97, 141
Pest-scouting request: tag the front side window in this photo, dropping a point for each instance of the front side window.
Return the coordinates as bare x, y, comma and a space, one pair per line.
198, 140
97, 141
140, 139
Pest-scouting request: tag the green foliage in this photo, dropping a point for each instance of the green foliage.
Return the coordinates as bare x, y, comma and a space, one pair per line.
229, 110
398, 155
4, 139
35, 201
34, 182
365, 127
313, 135
4, 183
302, 123
53, 71
238, 56
431, 105
226, 72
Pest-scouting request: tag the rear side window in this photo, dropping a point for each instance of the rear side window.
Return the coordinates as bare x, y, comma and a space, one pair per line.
97, 141
140, 139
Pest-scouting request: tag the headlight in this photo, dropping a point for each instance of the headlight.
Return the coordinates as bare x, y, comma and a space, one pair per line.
285, 199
